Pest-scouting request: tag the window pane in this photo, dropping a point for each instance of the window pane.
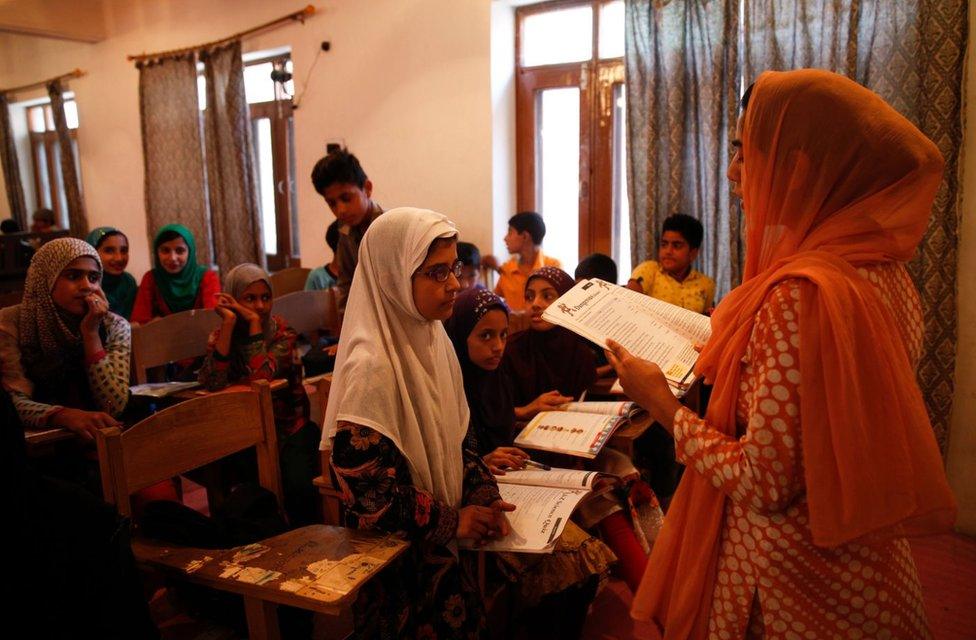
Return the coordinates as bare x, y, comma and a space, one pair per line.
49, 117
258, 85
35, 116
202, 91
266, 186
290, 85
621, 202
44, 197
564, 35
612, 29
71, 114
557, 171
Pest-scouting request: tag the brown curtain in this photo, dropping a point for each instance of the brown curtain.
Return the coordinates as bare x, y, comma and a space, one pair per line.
682, 88
235, 218
11, 169
77, 219
911, 53
172, 149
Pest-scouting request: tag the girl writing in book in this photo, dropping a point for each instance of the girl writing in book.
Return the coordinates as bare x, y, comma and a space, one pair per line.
396, 423
816, 456
554, 589
254, 344
118, 284
176, 282
549, 366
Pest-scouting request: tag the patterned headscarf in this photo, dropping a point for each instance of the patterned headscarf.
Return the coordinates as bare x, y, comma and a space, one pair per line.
240, 278
555, 276
179, 290
47, 335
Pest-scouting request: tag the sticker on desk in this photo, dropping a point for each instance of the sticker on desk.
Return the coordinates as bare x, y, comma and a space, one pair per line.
230, 570
256, 575
250, 552
294, 586
194, 565
321, 567
385, 549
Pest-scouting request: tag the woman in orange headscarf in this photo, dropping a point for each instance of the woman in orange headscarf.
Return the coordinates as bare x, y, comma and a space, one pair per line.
816, 456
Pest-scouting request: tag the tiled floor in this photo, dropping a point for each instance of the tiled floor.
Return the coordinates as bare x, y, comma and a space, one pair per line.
946, 567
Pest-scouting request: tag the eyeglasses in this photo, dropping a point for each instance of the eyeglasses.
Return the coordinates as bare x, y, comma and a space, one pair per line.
441, 272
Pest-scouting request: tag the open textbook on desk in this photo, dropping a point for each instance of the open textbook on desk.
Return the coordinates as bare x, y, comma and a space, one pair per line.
544, 500
652, 329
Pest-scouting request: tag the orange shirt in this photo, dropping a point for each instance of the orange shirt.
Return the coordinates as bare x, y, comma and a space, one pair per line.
513, 276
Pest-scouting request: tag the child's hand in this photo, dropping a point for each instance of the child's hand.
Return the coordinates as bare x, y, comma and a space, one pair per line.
505, 458
550, 401
97, 310
489, 262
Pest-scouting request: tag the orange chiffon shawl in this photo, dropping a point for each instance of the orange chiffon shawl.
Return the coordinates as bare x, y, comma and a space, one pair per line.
832, 178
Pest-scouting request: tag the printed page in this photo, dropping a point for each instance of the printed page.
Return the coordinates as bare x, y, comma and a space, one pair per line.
540, 516
650, 329
604, 408
555, 477
160, 389
578, 434
679, 391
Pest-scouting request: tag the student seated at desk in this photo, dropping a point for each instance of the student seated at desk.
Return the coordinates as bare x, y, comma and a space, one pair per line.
549, 365
176, 282
252, 344
118, 284
671, 278
554, 589
396, 423
65, 356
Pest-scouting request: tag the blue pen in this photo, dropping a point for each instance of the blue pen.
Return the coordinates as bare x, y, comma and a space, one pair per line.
537, 465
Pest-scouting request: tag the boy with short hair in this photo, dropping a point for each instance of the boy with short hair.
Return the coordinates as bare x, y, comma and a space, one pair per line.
597, 265
526, 231
325, 277
342, 183
671, 278
470, 257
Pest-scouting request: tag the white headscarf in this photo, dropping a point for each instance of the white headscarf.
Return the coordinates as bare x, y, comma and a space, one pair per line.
396, 371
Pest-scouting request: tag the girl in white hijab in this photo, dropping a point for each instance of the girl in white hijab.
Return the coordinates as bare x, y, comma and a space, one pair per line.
396, 423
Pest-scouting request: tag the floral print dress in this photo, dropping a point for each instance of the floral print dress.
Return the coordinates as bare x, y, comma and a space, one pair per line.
434, 593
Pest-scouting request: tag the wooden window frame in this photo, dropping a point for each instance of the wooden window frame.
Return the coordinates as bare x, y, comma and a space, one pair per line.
596, 79
280, 113
48, 140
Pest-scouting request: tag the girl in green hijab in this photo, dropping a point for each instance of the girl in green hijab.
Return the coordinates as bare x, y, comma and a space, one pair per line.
176, 282
118, 284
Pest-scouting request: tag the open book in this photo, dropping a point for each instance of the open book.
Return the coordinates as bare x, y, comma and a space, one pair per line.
570, 432
544, 501
651, 329
161, 389
624, 409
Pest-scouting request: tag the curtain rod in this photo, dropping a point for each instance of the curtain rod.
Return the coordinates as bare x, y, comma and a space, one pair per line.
299, 15
77, 73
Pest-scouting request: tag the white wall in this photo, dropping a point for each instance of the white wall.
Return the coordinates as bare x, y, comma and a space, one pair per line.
406, 86
962, 434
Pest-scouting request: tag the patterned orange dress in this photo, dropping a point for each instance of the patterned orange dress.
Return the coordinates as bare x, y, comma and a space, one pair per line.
773, 582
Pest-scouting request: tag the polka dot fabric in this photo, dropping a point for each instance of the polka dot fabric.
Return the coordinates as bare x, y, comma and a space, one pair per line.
773, 582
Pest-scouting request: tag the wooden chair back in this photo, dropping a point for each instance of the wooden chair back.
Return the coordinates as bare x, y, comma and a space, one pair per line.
176, 337
289, 280
307, 312
187, 436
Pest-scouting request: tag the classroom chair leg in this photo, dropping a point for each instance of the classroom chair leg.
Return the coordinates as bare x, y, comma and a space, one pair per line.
262, 619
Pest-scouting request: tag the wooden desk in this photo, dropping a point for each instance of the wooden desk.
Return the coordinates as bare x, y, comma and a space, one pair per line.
36, 438
318, 568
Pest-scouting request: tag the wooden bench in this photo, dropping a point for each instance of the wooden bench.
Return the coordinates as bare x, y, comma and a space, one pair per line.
317, 568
